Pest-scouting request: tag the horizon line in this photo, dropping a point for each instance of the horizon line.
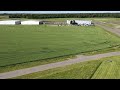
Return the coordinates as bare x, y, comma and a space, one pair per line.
55, 12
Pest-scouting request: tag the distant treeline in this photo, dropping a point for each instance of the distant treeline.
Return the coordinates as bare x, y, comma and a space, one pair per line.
80, 15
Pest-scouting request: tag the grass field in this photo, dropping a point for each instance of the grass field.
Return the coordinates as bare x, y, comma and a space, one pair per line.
111, 22
34, 63
4, 17
109, 69
19, 44
105, 68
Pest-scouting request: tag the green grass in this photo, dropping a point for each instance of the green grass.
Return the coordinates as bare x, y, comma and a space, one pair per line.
4, 17
111, 22
97, 69
20, 44
34, 63
106, 19
109, 69
113, 25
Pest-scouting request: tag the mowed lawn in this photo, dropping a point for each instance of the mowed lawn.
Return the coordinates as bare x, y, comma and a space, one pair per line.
19, 44
109, 69
105, 68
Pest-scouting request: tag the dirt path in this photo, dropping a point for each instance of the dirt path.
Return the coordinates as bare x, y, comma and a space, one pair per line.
54, 65
113, 30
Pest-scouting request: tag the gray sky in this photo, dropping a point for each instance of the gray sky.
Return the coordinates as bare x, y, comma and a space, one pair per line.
47, 12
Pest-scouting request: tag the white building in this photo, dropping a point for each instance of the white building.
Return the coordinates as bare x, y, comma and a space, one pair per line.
31, 22
81, 22
10, 22
68, 21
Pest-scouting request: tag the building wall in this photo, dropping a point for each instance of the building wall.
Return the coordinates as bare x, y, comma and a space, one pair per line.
68, 21
10, 22
83, 22
80, 22
17, 22
30, 23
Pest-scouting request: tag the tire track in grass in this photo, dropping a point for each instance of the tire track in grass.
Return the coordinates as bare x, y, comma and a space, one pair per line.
95, 70
98, 73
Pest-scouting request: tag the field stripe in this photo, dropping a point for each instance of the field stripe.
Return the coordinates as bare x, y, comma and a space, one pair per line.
107, 70
95, 70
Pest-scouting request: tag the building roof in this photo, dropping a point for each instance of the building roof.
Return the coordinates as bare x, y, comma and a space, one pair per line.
9, 20
31, 20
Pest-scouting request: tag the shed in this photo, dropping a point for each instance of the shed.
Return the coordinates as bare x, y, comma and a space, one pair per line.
10, 22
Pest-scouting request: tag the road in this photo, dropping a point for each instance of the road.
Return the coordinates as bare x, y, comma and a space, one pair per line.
110, 29
25, 71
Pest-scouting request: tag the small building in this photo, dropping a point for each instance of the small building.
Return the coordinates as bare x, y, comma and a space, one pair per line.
31, 22
10, 22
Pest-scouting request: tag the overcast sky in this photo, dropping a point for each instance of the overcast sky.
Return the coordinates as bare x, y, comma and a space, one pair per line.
42, 12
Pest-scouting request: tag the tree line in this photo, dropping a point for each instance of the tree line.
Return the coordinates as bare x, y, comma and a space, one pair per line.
78, 15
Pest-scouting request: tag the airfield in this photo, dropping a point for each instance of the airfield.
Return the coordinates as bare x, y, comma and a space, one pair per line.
29, 46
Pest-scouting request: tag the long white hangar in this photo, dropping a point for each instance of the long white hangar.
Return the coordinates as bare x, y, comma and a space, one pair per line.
31, 22
10, 22
80, 22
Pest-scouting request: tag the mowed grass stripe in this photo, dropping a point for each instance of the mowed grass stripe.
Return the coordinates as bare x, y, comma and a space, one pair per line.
109, 69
